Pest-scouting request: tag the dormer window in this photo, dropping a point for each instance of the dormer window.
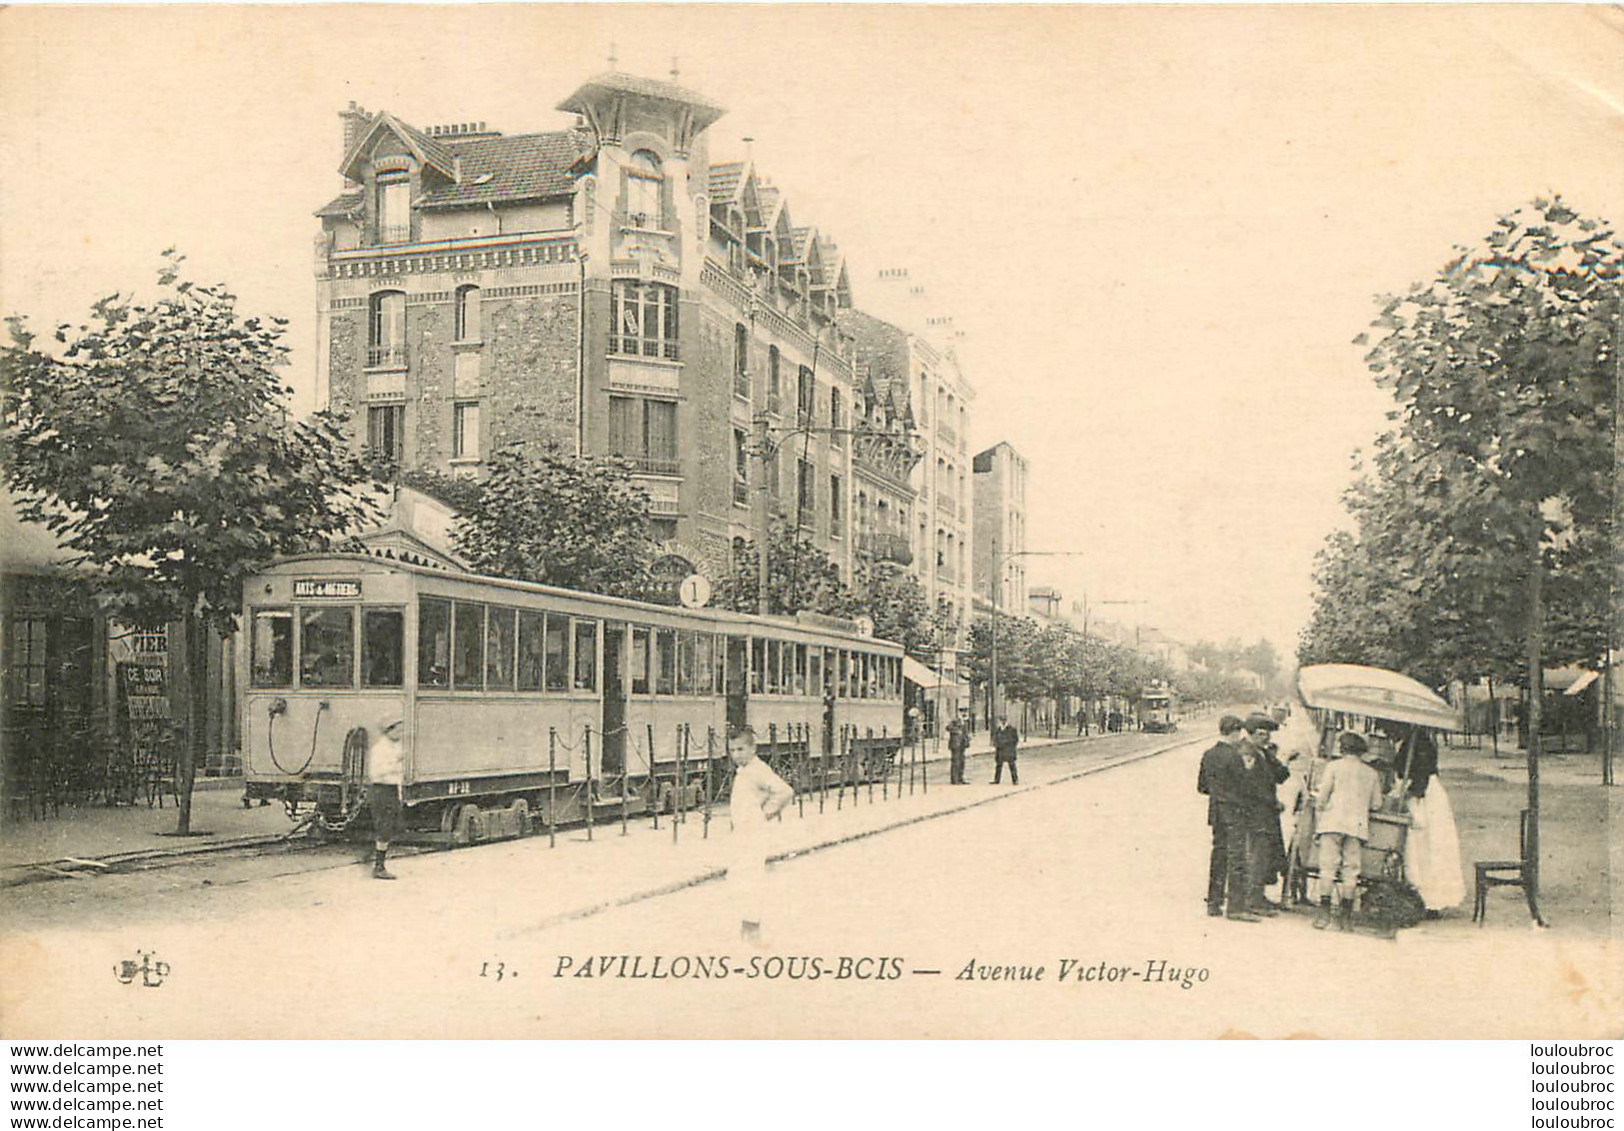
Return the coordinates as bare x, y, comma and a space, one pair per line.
644, 185
394, 208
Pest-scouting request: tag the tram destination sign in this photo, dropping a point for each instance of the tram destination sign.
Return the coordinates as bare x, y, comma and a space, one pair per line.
326, 587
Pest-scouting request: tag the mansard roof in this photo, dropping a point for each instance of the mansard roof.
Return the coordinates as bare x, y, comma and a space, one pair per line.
475, 170
522, 167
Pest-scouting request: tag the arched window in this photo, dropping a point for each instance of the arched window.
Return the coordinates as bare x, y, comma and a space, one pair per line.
386, 329
644, 191
467, 318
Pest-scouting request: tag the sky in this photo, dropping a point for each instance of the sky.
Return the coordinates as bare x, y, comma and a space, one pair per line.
1158, 229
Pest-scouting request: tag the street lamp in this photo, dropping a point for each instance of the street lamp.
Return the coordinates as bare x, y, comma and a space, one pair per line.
768, 439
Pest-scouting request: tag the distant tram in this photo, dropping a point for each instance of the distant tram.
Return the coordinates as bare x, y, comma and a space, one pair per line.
537, 700
1158, 709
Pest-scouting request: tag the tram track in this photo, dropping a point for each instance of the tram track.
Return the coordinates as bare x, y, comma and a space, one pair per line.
259, 846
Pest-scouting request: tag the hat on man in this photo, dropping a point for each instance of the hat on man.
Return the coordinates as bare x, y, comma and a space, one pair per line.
1255, 723
1229, 724
1350, 743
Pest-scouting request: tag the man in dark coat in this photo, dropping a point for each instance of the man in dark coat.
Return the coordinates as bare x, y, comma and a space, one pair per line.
1244, 787
1005, 741
1259, 730
958, 741
1229, 736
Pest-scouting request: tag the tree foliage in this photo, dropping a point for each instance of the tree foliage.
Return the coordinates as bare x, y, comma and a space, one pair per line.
800, 576
155, 443
1497, 467
575, 522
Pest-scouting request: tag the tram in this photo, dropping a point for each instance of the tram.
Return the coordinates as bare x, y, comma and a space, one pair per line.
536, 700
1158, 709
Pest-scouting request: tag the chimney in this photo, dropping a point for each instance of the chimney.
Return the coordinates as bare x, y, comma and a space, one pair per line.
355, 119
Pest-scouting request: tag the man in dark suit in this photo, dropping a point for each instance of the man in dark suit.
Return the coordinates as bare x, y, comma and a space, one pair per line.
1005, 741
958, 741
1259, 739
1229, 736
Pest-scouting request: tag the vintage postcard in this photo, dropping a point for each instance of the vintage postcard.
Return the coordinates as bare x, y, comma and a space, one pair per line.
811, 521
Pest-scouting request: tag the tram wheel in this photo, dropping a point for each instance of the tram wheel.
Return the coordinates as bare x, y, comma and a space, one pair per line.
521, 815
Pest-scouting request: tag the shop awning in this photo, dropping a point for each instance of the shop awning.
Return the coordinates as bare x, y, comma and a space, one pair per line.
1577, 686
915, 672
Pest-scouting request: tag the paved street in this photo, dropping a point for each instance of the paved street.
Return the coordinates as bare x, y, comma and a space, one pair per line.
1101, 873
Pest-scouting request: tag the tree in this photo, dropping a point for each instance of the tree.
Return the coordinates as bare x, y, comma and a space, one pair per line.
579, 523
1505, 378
800, 576
155, 444
901, 608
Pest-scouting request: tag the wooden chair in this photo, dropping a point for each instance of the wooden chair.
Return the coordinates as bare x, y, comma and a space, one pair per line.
1507, 873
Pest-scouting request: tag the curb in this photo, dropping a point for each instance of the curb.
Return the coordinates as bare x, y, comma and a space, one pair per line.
711, 874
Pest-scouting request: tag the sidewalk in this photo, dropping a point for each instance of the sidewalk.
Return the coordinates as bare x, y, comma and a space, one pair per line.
94, 831
1581, 883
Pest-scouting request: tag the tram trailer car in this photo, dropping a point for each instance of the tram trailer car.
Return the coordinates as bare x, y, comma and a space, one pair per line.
524, 702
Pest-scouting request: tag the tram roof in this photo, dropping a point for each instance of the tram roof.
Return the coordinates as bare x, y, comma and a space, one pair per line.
721, 616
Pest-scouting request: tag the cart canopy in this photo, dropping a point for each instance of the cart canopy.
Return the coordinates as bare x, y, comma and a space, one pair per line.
1374, 692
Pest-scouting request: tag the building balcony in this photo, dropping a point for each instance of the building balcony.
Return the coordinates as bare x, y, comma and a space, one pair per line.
648, 465
886, 547
631, 346
946, 503
394, 233
947, 432
741, 384
741, 493
387, 357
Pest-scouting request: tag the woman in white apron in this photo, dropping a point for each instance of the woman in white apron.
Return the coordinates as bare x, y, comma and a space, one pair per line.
1432, 849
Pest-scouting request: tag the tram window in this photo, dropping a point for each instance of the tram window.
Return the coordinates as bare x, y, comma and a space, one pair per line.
775, 667
383, 635
499, 650
721, 665
530, 637
433, 642
758, 666
665, 648
704, 663
842, 683
327, 648
272, 663
639, 660
558, 653
800, 669
586, 655
865, 690
685, 663
814, 672
468, 647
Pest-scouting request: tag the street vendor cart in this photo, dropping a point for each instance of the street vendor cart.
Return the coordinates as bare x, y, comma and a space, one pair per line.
1386, 706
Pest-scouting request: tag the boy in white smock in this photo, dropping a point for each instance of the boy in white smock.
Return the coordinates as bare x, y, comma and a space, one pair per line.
758, 796
1347, 792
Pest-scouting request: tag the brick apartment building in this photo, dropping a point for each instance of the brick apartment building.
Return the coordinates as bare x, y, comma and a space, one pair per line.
601, 288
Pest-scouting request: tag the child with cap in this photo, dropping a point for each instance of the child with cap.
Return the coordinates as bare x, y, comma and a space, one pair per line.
1347, 793
386, 772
